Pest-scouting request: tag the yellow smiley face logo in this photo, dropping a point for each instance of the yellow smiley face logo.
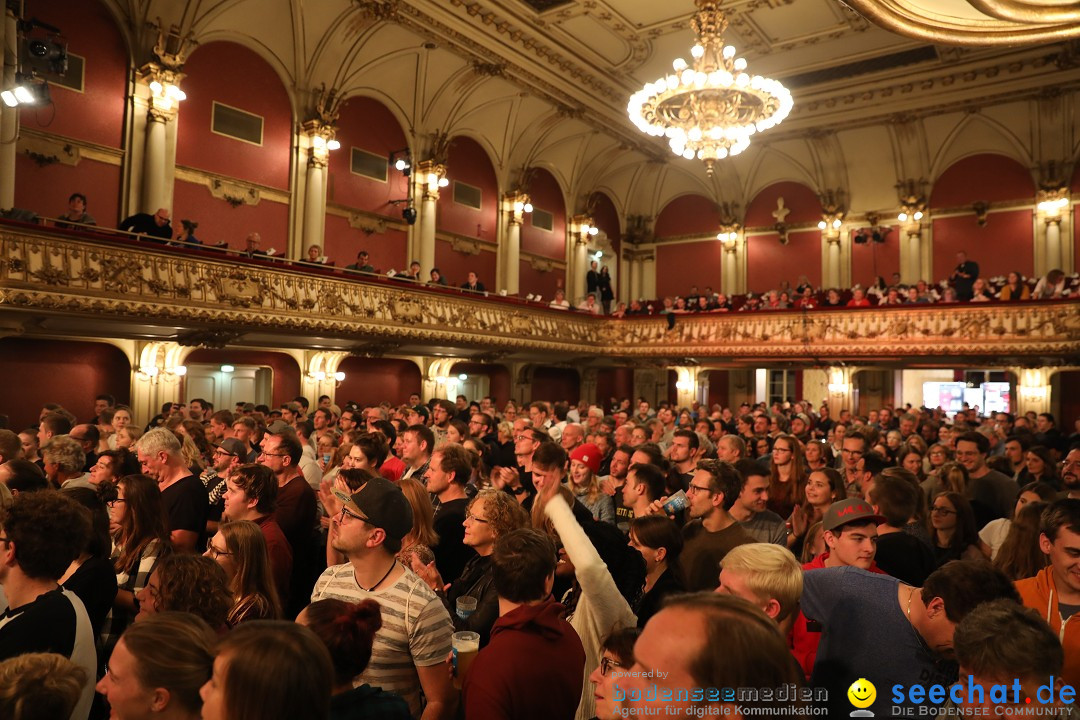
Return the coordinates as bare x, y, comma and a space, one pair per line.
862, 693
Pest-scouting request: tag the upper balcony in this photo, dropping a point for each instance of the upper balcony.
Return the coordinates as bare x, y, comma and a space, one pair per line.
70, 284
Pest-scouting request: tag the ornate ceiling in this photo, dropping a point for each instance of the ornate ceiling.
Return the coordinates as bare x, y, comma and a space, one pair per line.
546, 82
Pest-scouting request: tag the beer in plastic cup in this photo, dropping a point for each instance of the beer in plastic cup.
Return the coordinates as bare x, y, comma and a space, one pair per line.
466, 645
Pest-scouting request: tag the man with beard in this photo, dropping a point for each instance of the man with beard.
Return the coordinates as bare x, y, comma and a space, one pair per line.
1070, 473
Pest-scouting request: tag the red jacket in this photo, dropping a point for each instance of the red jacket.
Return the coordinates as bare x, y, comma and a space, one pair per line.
803, 640
1040, 594
503, 681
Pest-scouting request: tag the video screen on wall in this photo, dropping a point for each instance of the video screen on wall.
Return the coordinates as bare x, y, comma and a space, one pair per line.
990, 397
949, 396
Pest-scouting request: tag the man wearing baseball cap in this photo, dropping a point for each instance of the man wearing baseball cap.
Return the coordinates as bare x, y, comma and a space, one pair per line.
410, 648
850, 531
228, 454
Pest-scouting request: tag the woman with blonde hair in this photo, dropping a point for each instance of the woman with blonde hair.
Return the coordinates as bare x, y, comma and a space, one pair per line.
120, 420
951, 477
240, 549
422, 537
584, 466
39, 686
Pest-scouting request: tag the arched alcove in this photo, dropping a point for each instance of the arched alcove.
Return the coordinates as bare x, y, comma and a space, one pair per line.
543, 233
768, 261
284, 373
368, 132
473, 183
250, 91
370, 381
68, 372
1004, 242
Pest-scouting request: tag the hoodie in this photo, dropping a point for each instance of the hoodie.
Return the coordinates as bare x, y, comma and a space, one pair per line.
533, 667
803, 639
1040, 594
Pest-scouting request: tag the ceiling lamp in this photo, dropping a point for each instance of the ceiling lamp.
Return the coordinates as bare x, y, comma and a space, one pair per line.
710, 110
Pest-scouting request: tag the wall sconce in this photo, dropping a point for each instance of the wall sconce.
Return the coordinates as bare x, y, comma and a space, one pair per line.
582, 226
165, 92
1052, 204
684, 385
402, 161
227, 369
729, 236
323, 140
432, 175
839, 388
981, 208
178, 371
830, 225
149, 372
1039, 392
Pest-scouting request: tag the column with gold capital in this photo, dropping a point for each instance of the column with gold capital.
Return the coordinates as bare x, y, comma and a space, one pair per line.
581, 228
1052, 208
515, 205
430, 176
320, 139
164, 101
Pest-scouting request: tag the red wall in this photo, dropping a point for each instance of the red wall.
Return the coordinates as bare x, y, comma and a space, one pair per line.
1004, 244
498, 379
680, 265
366, 124
554, 384
531, 281
469, 163
1070, 401
369, 381
801, 200
1076, 212
220, 222
876, 259
45, 190
615, 382
718, 388
70, 373
768, 262
688, 215
96, 115
545, 193
606, 218
988, 177
286, 373
385, 250
260, 93
455, 266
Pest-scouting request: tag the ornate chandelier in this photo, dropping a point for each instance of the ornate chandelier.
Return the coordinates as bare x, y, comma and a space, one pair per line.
710, 110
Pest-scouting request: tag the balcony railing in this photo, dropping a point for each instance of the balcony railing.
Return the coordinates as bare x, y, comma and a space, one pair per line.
123, 281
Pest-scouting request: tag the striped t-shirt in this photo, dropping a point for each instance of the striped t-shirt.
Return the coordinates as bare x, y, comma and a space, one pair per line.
415, 632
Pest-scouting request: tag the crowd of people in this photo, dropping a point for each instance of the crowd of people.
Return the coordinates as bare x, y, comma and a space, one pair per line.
424, 560
963, 285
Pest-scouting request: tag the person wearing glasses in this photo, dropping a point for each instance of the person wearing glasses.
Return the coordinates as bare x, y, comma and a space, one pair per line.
296, 511
153, 226
955, 534
490, 515
616, 656
412, 645
240, 549
140, 539
251, 493
712, 531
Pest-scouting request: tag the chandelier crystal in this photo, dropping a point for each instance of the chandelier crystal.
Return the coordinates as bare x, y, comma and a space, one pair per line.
710, 109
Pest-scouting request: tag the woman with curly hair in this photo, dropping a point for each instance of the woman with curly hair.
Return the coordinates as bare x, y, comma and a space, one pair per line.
188, 583
490, 515
140, 536
239, 547
348, 631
